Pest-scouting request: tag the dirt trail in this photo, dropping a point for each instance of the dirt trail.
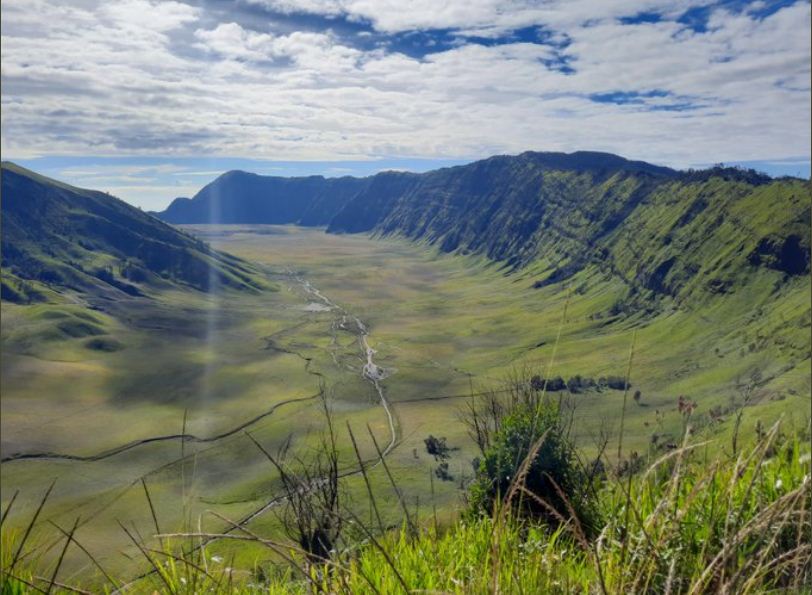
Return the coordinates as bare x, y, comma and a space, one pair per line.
50, 456
371, 371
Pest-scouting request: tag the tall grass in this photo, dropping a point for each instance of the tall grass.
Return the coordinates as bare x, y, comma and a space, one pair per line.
737, 526
686, 524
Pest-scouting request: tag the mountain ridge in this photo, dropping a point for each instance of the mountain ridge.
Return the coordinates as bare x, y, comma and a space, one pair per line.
309, 200
670, 233
179, 210
59, 237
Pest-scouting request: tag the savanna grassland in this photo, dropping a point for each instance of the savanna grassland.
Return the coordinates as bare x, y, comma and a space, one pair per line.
92, 383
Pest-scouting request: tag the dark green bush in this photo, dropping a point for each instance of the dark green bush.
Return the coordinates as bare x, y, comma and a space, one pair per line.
578, 384
552, 385
615, 382
437, 447
557, 482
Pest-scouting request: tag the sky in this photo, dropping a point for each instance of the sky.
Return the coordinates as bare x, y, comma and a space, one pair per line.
150, 100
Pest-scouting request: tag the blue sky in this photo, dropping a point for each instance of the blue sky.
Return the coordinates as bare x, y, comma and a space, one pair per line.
151, 100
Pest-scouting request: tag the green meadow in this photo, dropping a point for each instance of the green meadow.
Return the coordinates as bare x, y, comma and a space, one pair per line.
99, 384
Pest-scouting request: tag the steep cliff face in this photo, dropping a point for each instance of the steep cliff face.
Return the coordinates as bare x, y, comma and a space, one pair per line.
377, 200
711, 236
508, 208
664, 232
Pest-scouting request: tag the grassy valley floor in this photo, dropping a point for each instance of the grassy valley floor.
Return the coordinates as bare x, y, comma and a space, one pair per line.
93, 383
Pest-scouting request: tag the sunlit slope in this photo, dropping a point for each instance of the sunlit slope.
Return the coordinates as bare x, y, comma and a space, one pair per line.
726, 249
662, 232
712, 236
56, 238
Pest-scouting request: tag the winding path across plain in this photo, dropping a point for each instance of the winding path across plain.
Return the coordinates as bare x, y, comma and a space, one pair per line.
371, 371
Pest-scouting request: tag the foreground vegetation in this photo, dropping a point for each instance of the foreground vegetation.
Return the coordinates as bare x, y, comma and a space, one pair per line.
740, 526
699, 518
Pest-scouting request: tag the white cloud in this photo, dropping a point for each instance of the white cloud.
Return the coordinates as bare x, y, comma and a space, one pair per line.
140, 15
232, 41
144, 78
489, 17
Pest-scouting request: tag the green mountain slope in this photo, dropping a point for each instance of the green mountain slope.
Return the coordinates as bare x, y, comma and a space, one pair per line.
728, 249
56, 237
660, 230
713, 236
721, 257
674, 239
508, 207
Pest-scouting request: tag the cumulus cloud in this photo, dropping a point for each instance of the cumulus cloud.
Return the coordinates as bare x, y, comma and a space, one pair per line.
231, 41
141, 77
482, 16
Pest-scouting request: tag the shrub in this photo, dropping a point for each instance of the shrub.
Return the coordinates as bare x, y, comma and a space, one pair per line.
554, 384
578, 384
437, 448
553, 486
615, 382
443, 473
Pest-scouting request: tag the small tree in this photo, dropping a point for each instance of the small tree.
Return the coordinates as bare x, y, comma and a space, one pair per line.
617, 382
